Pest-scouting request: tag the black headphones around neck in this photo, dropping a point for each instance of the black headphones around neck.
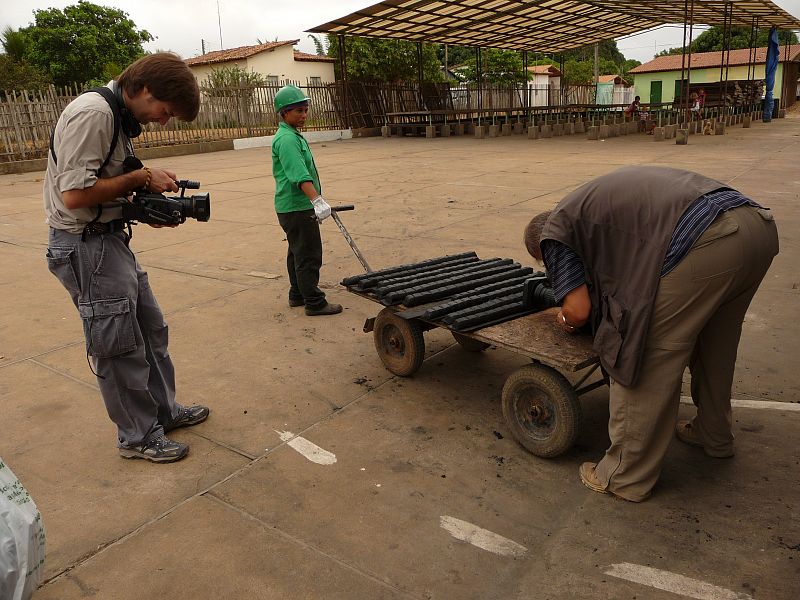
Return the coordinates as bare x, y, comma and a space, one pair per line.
130, 126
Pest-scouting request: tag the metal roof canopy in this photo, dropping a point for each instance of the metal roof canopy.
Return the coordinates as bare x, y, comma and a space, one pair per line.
543, 25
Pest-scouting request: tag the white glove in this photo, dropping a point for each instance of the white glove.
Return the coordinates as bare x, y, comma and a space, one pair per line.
322, 209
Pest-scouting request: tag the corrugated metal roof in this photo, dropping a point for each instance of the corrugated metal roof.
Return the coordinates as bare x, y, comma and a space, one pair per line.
540, 25
702, 60
219, 56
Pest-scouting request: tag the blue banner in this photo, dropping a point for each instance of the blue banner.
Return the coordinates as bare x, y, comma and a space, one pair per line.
771, 67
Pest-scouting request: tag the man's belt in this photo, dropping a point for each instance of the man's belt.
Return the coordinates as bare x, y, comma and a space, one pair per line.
97, 228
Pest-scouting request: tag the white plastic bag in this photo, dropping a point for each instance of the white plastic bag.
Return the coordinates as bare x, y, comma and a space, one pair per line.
21, 539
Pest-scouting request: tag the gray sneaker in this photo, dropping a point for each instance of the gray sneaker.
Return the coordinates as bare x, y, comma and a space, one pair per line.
159, 449
188, 416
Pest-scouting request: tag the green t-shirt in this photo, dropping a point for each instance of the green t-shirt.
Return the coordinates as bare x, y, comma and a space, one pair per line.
292, 164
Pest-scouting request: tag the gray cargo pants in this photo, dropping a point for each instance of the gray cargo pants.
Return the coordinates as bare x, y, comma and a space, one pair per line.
124, 328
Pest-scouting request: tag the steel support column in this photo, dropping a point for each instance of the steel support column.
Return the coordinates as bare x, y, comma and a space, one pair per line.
343, 71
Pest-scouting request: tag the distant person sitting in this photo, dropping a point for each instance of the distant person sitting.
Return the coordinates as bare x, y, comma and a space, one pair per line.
696, 107
633, 108
701, 98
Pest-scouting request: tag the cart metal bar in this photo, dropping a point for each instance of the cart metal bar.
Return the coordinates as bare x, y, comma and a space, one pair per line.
350, 241
585, 377
590, 387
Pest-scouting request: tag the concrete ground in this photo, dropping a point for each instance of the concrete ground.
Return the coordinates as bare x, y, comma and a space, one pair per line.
429, 495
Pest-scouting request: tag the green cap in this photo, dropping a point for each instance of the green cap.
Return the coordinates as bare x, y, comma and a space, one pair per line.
288, 95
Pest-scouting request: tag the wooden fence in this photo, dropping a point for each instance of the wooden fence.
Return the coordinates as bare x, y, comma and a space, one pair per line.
27, 118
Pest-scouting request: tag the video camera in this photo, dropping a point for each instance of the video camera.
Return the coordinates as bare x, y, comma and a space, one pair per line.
158, 209
537, 293
148, 207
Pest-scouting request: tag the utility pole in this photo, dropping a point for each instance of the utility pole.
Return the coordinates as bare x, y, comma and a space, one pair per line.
219, 22
203, 45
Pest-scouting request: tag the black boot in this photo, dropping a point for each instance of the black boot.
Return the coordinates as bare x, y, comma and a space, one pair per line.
325, 309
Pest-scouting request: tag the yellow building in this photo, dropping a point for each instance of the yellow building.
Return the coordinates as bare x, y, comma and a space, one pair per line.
660, 79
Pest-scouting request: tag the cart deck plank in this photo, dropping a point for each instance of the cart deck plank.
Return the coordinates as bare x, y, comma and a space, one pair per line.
538, 336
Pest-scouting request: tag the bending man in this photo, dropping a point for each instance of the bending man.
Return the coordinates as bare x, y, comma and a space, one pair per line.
662, 263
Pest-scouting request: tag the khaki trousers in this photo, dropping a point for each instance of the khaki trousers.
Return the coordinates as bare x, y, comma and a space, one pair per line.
697, 322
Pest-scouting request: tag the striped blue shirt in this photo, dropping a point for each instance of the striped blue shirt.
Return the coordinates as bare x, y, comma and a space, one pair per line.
565, 267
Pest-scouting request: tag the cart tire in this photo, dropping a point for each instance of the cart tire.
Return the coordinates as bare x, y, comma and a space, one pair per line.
470, 344
542, 410
399, 342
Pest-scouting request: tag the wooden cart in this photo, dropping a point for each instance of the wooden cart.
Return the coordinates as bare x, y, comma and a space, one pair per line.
540, 405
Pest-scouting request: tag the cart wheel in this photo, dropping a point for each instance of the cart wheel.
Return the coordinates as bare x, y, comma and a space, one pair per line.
470, 344
399, 343
542, 410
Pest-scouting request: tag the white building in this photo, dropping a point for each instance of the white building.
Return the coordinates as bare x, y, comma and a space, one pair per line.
276, 61
544, 85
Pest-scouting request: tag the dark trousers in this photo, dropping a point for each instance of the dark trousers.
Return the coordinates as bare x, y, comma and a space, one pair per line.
304, 258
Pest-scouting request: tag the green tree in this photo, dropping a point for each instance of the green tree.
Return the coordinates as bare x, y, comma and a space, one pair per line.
319, 44
628, 65
372, 59
14, 44
15, 75
456, 55
15, 72
82, 42
605, 50
711, 40
498, 66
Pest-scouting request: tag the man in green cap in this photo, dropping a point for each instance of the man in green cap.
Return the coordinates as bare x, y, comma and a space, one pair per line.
299, 204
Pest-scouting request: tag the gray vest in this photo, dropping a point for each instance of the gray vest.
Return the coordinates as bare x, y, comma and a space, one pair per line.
620, 225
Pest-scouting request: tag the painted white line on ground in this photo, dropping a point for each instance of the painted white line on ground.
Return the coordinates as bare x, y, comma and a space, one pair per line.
765, 404
482, 538
308, 449
672, 582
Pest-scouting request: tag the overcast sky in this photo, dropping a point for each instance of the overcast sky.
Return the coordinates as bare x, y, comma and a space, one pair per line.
180, 25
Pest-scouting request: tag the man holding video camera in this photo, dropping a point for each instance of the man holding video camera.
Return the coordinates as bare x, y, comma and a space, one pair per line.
662, 263
85, 184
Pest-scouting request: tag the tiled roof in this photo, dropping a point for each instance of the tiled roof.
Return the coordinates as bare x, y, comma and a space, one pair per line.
545, 70
305, 57
703, 60
239, 53
612, 78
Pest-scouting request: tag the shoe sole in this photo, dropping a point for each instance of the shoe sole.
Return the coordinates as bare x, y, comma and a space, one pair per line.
322, 313
166, 459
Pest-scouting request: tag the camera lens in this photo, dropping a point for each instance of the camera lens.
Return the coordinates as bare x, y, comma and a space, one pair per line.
197, 207
543, 297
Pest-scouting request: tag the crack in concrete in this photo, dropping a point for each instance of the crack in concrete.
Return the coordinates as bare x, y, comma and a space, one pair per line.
313, 548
